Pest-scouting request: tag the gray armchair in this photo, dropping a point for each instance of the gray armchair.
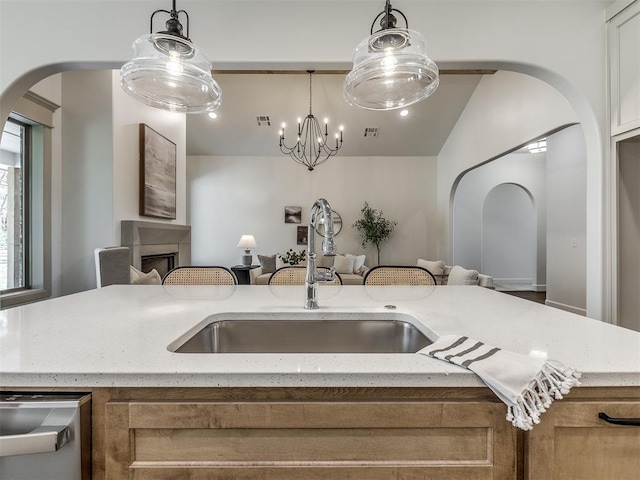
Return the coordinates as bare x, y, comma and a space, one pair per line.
112, 266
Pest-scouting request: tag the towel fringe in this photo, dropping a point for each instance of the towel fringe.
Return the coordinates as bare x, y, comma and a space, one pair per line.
552, 382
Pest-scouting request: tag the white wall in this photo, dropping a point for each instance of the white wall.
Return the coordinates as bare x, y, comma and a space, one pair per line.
507, 110
234, 196
560, 189
566, 220
100, 165
128, 114
87, 175
526, 170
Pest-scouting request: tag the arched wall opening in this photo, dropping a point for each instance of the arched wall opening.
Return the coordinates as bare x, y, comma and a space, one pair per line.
538, 283
524, 172
556, 180
91, 45
508, 238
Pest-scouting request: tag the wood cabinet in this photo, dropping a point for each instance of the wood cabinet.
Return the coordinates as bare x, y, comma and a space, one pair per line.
354, 436
358, 433
624, 69
572, 442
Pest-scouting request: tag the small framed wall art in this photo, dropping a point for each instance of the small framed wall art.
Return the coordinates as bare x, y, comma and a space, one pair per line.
157, 174
292, 214
302, 235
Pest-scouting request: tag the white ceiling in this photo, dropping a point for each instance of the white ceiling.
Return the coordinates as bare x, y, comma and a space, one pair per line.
285, 98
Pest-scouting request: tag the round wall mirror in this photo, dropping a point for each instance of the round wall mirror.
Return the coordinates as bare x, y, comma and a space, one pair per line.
337, 224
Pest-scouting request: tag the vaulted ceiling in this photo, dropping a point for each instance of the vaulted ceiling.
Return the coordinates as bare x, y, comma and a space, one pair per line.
285, 98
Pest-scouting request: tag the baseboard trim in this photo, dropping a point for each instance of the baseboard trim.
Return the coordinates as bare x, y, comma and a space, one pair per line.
566, 308
513, 284
539, 287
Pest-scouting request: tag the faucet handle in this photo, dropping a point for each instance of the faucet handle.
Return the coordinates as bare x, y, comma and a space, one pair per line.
326, 276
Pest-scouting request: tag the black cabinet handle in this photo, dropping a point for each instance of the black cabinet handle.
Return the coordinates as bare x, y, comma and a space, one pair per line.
619, 421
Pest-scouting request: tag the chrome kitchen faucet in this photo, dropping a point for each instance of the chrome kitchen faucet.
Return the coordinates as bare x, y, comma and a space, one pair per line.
328, 249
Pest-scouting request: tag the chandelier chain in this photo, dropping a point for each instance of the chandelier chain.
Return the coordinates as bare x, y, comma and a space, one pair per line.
310, 93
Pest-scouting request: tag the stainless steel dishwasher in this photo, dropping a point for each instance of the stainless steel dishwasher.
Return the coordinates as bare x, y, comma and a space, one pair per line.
45, 436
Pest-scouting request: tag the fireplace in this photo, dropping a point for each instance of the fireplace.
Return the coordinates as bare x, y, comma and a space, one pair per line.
162, 263
162, 246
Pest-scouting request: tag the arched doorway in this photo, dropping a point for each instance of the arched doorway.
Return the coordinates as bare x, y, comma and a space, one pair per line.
508, 241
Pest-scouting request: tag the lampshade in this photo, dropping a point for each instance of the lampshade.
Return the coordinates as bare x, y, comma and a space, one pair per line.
247, 241
171, 73
168, 71
391, 68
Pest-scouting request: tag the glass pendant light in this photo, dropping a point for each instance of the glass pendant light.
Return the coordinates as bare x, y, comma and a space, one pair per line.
391, 68
168, 71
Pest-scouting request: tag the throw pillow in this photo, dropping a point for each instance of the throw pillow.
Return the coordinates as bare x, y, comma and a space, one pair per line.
462, 276
140, 278
359, 263
268, 263
436, 268
344, 263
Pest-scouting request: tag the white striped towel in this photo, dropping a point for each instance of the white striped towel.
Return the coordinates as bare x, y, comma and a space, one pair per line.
527, 385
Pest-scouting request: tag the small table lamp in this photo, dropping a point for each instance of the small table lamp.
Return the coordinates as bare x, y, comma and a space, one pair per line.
247, 242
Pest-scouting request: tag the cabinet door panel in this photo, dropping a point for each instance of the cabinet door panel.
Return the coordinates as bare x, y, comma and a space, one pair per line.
624, 67
311, 440
572, 442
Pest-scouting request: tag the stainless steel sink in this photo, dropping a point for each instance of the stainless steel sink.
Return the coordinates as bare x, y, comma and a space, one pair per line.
303, 333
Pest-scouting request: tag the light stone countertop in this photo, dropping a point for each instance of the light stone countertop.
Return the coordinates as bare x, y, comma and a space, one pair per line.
118, 336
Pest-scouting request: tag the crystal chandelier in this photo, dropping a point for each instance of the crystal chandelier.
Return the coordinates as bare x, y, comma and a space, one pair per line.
311, 148
391, 68
168, 71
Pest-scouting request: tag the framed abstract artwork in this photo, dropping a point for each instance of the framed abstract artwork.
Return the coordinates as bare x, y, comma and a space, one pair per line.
292, 214
157, 174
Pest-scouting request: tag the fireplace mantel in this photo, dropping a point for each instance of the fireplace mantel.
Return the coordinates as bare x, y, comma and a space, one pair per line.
154, 238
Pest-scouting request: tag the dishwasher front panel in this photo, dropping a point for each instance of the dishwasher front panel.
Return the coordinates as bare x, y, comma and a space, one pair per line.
45, 436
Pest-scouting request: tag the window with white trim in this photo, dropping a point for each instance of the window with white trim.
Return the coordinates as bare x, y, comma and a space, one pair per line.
14, 206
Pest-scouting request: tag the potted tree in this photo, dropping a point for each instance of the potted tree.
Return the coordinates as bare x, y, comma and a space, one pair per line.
373, 228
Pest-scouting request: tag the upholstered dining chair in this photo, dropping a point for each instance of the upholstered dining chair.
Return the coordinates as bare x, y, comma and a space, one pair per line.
190, 275
398, 275
112, 266
296, 276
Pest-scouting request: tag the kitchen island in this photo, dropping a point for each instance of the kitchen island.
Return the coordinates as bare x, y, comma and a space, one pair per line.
159, 414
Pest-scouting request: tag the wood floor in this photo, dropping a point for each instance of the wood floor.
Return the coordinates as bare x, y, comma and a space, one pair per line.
538, 297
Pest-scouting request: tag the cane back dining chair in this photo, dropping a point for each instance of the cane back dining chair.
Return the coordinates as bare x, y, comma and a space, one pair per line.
190, 275
399, 275
296, 276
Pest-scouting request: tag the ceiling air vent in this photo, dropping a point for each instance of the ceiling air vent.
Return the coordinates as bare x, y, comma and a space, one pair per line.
263, 120
371, 132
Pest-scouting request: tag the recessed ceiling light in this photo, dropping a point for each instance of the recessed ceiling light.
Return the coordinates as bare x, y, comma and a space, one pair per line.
404, 113
213, 115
